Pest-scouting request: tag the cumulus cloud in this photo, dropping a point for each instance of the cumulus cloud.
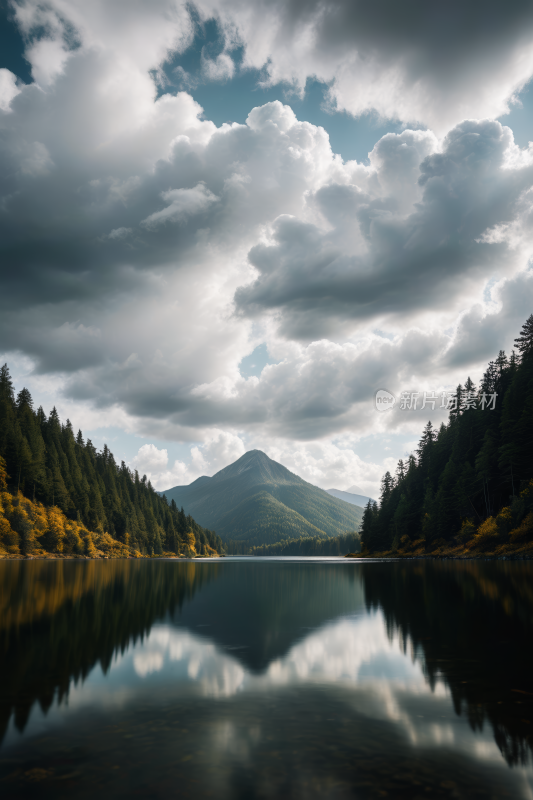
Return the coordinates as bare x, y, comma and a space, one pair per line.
416, 221
415, 62
150, 459
219, 449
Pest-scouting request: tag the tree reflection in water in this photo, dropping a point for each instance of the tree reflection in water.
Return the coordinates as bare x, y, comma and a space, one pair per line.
59, 619
292, 657
472, 624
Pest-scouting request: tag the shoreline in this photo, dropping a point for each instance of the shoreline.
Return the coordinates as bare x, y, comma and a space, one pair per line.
385, 557
74, 557
464, 556
433, 557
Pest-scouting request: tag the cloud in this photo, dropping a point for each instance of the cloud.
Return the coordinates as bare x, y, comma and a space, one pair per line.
330, 465
182, 203
145, 251
220, 68
8, 89
153, 463
219, 449
119, 233
432, 65
417, 63
37, 162
150, 459
410, 236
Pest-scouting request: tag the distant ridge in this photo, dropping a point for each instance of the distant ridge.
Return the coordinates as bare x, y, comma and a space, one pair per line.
258, 500
349, 497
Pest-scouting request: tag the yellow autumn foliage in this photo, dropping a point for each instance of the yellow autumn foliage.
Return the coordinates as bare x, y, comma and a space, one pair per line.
190, 548
29, 528
524, 532
487, 534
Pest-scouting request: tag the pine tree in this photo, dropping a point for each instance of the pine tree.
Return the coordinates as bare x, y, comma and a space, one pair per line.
24, 399
6, 384
400, 471
524, 342
387, 485
488, 383
425, 446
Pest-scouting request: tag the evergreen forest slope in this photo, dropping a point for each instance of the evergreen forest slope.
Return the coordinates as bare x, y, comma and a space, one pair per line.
469, 487
59, 495
258, 501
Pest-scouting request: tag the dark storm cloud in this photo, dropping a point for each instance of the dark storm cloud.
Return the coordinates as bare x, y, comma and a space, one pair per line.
436, 33
435, 63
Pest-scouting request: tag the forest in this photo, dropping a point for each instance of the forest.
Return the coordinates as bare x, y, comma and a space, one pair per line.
468, 488
340, 545
59, 495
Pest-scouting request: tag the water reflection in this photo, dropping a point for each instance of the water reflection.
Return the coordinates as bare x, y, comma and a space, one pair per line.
268, 679
473, 623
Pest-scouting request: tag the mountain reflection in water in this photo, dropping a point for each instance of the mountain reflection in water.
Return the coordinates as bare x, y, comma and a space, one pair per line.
266, 678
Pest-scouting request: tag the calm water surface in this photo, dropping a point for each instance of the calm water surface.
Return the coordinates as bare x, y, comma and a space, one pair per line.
266, 678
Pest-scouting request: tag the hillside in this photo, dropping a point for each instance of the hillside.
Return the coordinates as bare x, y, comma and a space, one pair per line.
349, 497
59, 495
258, 501
469, 488
339, 545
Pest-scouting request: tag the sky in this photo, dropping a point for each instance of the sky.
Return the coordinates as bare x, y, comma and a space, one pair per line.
225, 225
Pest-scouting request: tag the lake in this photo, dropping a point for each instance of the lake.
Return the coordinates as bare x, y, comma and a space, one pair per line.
266, 678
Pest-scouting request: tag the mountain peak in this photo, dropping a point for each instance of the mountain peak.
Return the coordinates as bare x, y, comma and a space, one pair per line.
253, 455
260, 465
257, 500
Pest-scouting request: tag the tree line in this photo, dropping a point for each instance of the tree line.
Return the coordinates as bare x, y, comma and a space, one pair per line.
45, 462
340, 545
472, 479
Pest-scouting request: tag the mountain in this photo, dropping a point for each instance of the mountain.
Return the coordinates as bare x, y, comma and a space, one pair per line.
354, 489
259, 501
349, 497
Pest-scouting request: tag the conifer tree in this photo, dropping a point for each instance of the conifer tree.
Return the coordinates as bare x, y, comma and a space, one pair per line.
524, 342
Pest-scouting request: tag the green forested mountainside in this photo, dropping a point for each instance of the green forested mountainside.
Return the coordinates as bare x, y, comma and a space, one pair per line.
47, 463
258, 501
304, 546
469, 483
260, 517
